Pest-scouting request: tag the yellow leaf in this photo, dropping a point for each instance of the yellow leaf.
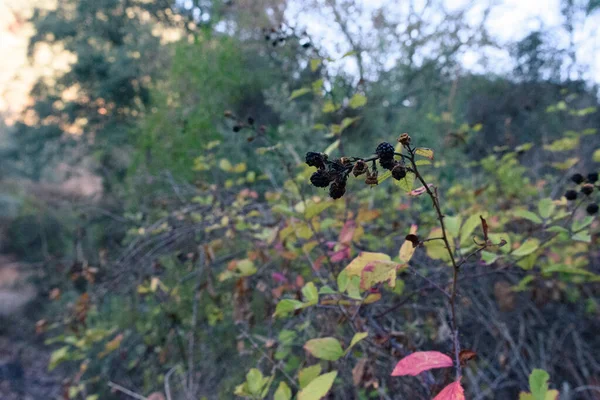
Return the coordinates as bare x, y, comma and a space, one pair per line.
424, 152
357, 101
357, 265
379, 272
314, 64
406, 251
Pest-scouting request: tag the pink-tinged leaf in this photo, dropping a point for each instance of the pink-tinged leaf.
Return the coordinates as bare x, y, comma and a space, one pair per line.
347, 232
453, 391
421, 361
278, 277
342, 254
419, 191
379, 272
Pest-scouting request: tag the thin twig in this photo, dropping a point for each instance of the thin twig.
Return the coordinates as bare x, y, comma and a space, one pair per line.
192, 338
126, 391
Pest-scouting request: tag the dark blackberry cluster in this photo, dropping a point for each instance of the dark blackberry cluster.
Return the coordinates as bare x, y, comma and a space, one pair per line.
587, 187
334, 173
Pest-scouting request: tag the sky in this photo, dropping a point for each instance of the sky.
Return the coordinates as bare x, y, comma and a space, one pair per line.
509, 21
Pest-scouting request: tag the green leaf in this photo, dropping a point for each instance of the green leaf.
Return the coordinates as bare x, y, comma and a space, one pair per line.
355, 339
308, 374
424, 152
348, 54
299, 92
332, 147
318, 388
286, 306
327, 290
329, 107
488, 257
522, 285
596, 156
317, 85
327, 348
525, 214
314, 64
422, 162
310, 293
452, 225
557, 229
314, 209
407, 183
254, 381
58, 356
342, 281
527, 248
538, 384
346, 122
563, 144
583, 236
357, 101
580, 224
546, 207
283, 392
550, 395
466, 232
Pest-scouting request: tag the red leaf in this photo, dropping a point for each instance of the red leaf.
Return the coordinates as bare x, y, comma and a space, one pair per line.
342, 254
453, 391
421, 361
347, 232
419, 191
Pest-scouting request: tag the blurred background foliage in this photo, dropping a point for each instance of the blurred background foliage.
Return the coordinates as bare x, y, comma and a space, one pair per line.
153, 188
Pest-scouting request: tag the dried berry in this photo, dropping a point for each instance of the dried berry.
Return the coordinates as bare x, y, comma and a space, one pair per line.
399, 172
587, 189
337, 189
592, 177
250, 121
577, 178
404, 139
320, 178
387, 163
237, 128
316, 159
306, 45
360, 167
385, 151
571, 195
372, 178
592, 208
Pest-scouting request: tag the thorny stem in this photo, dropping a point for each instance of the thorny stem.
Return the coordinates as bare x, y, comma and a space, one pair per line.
455, 266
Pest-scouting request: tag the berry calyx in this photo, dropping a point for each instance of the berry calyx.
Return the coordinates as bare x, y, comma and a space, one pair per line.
592, 177
592, 208
320, 178
578, 178
571, 195
385, 151
360, 167
372, 178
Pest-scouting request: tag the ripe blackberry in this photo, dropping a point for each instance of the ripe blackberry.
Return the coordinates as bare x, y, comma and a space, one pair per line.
316, 159
592, 208
399, 172
389, 163
587, 189
320, 178
337, 189
577, 178
237, 128
571, 195
592, 177
385, 151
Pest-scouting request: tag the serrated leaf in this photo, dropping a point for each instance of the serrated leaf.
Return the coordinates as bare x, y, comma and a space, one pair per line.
299, 92
327, 348
318, 388
308, 374
357, 101
526, 248
283, 392
424, 152
453, 391
421, 361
